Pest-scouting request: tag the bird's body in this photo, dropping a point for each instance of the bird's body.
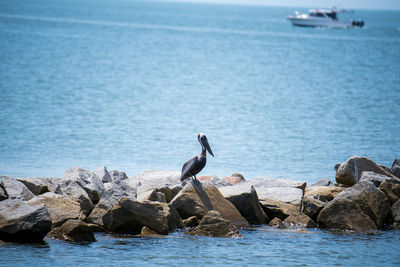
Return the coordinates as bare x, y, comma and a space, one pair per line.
194, 165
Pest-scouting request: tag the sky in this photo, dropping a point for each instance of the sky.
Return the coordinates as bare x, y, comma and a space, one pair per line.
355, 4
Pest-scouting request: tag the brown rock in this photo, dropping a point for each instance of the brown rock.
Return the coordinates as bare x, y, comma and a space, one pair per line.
278, 209
191, 221
392, 189
74, 191
276, 222
73, 231
323, 193
214, 225
299, 220
15, 189
235, 178
396, 212
40, 185
195, 199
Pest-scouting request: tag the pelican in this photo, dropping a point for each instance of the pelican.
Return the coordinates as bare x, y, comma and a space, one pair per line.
194, 165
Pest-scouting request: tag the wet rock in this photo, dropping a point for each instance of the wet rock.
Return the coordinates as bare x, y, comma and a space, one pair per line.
73, 231
111, 197
312, 207
89, 181
21, 222
191, 221
196, 199
349, 172
129, 216
396, 168
395, 209
323, 193
103, 174
60, 208
95, 228
323, 182
15, 189
245, 199
375, 178
392, 189
40, 185
299, 220
146, 231
118, 175
276, 222
362, 207
214, 225
279, 209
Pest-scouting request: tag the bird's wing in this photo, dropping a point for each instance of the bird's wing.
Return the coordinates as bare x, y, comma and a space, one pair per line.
188, 167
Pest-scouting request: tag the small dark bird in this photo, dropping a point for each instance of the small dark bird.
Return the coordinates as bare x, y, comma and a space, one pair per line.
194, 165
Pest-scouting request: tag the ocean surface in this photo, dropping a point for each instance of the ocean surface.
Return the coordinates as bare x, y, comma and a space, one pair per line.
128, 85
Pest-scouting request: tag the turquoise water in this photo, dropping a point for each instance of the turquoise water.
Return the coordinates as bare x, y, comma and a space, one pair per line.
129, 84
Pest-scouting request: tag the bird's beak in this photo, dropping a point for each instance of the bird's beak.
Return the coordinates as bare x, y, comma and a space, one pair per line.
205, 143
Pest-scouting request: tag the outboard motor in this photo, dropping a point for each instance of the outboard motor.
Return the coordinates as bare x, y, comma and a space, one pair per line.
358, 23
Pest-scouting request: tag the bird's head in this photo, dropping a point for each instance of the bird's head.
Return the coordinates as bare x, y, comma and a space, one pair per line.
204, 143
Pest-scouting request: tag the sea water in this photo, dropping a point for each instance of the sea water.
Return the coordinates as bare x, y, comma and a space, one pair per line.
129, 84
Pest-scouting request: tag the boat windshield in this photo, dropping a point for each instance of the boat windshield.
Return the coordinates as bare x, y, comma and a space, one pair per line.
316, 14
332, 15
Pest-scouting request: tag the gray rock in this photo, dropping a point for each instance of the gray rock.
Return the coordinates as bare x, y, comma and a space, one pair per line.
129, 216
103, 174
362, 207
73, 231
60, 208
111, 197
214, 225
392, 189
15, 189
88, 181
20, 221
323, 182
396, 213
245, 199
375, 178
151, 180
118, 175
396, 168
40, 185
214, 180
3, 194
312, 207
74, 191
196, 199
349, 172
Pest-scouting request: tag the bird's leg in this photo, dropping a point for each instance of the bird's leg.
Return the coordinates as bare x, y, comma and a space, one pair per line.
195, 177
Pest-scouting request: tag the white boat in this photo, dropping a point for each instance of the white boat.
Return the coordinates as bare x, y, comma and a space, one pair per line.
324, 18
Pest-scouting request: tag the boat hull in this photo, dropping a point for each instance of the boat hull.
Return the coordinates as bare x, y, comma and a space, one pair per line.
325, 23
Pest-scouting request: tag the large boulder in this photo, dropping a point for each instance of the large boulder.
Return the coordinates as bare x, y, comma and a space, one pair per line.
60, 208
40, 185
214, 225
111, 197
73, 231
129, 216
245, 199
196, 199
15, 189
279, 209
362, 207
375, 178
323, 193
20, 221
88, 181
392, 189
118, 175
396, 168
349, 172
74, 191
103, 174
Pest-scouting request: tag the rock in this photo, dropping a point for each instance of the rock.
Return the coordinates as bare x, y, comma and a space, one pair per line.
74, 191
396, 168
276, 222
129, 216
3, 194
279, 209
349, 172
103, 174
396, 212
212, 179
146, 231
191, 221
299, 220
385, 168
153, 195
278, 189
15, 189
392, 189
245, 199
312, 207
150, 180
375, 178
362, 207
118, 175
88, 181
111, 197
73, 231
323, 193
337, 166
60, 208
95, 228
20, 221
214, 225
235, 178
196, 199
40, 185
323, 182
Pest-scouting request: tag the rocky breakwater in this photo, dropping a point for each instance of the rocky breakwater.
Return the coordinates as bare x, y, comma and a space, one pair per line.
365, 197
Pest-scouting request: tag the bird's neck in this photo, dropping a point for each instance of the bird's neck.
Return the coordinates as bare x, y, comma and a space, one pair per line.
203, 152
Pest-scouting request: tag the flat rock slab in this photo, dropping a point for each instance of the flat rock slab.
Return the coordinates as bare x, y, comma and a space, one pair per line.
40, 185
15, 189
